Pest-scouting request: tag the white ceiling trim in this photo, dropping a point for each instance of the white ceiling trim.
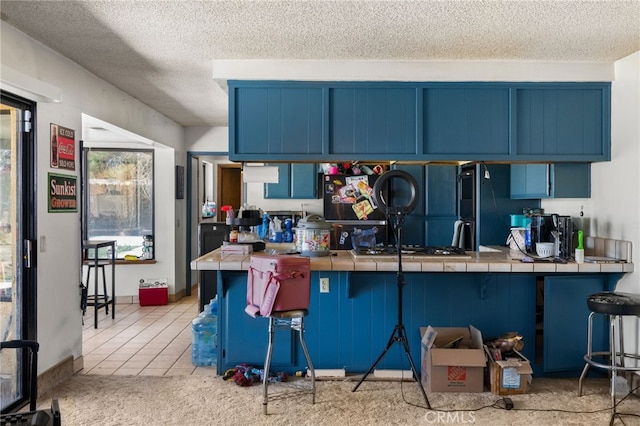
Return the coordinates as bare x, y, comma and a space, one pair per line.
366, 70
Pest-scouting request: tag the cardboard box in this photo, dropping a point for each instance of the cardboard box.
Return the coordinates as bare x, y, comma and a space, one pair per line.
510, 376
453, 359
153, 292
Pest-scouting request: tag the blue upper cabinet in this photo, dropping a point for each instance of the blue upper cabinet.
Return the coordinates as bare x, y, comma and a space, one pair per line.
559, 180
283, 121
466, 122
298, 180
372, 123
296, 121
563, 122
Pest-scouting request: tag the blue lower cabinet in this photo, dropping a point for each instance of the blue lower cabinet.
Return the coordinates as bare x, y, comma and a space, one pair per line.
565, 324
350, 326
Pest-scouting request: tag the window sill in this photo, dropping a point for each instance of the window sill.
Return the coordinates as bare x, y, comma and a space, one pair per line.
136, 262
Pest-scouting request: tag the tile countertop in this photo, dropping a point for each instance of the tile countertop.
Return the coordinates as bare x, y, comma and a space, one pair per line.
494, 259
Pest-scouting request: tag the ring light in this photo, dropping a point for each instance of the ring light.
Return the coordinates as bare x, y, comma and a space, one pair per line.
381, 184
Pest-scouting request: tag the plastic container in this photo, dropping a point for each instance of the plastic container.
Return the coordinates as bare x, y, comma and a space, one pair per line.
204, 337
287, 234
544, 249
313, 236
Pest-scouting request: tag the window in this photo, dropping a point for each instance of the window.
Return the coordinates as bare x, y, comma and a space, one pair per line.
118, 201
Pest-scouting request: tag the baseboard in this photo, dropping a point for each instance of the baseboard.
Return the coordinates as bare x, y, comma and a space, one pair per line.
56, 375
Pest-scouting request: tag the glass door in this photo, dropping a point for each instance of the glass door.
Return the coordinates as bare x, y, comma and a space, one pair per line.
17, 230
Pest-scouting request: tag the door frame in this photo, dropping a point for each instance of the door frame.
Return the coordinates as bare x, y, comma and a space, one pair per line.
26, 277
189, 210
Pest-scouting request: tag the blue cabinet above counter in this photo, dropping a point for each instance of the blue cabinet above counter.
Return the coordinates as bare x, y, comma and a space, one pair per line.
295, 121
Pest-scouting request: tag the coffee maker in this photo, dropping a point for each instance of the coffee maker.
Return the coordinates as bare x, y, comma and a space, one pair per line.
553, 228
542, 229
567, 237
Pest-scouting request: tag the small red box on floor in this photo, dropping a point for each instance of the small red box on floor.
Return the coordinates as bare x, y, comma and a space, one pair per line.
153, 293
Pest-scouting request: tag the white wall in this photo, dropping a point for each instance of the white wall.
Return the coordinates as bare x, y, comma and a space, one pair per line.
614, 207
59, 318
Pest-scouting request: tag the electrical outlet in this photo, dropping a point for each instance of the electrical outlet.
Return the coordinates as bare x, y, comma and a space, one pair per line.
324, 285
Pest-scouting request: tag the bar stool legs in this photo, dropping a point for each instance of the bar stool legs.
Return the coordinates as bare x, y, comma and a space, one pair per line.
295, 321
100, 299
615, 306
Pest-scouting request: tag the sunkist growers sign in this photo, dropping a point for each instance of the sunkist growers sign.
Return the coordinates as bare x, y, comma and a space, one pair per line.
63, 191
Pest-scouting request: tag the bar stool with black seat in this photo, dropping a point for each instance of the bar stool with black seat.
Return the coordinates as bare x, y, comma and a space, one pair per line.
615, 305
93, 260
278, 287
96, 299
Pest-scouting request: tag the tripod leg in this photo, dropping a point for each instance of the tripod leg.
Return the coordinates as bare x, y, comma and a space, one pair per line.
373, 366
405, 343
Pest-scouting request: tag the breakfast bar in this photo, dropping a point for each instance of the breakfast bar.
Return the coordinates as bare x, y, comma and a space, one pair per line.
493, 290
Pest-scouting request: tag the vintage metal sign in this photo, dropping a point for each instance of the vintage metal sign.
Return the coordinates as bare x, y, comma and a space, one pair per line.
63, 148
63, 193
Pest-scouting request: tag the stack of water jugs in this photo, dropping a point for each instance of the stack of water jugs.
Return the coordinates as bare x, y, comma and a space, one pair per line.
204, 339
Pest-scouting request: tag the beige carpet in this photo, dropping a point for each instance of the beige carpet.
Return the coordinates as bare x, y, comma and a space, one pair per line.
201, 400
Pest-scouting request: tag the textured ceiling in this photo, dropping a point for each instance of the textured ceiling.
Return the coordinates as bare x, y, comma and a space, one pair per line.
161, 52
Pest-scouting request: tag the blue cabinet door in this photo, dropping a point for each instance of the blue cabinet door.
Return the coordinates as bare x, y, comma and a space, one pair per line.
294, 181
275, 120
367, 122
530, 181
441, 209
563, 122
282, 189
560, 180
304, 181
467, 122
565, 321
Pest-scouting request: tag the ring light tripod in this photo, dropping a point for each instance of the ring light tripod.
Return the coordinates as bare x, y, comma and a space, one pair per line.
398, 213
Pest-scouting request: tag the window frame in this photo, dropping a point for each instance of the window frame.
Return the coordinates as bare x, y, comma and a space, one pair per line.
86, 194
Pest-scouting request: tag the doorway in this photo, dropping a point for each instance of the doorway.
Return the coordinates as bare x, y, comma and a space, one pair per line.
227, 182
229, 190
17, 245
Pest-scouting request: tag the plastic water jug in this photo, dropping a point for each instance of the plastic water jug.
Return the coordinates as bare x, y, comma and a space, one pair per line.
204, 339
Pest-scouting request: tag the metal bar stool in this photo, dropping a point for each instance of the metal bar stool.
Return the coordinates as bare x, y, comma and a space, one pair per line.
615, 305
278, 287
295, 321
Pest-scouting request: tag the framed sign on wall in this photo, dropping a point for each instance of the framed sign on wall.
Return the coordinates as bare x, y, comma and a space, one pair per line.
179, 182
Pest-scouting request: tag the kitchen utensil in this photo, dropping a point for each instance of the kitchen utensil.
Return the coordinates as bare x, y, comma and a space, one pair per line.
545, 249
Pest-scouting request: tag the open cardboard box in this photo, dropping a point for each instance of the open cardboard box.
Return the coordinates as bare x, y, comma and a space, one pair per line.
453, 359
510, 376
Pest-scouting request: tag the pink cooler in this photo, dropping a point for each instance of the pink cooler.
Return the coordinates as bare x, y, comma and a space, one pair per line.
278, 283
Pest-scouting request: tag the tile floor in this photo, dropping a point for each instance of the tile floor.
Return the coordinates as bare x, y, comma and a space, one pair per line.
142, 340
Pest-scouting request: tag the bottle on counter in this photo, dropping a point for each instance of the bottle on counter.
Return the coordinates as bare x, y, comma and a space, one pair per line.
287, 234
204, 338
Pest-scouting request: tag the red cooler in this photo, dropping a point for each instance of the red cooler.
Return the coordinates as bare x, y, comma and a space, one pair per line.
152, 293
